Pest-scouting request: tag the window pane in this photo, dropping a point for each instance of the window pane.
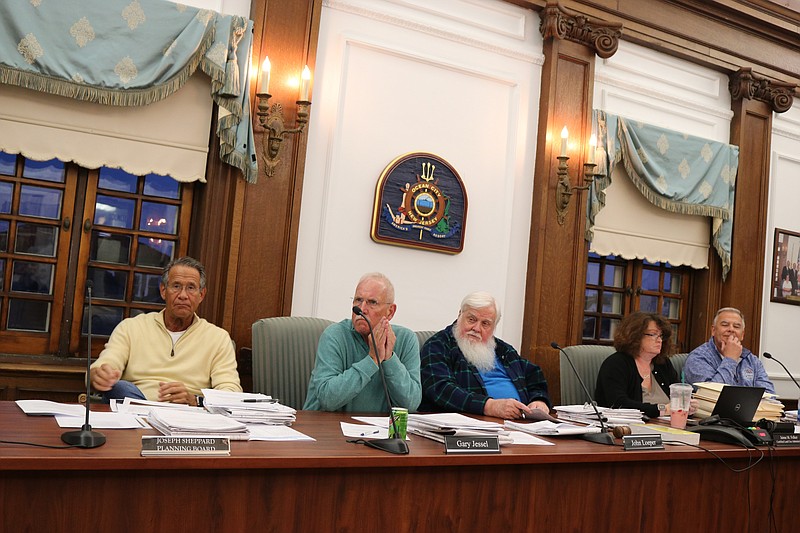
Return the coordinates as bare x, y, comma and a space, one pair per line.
591, 301
588, 327
40, 202
27, 276
145, 288
116, 179
612, 302
36, 239
6, 196
115, 212
28, 315
161, 186
671, 308
104, 319
110, 248
8, 164
607, 328
648, 304
52, 170
593, 274
2, 275
4, 235
613, 276
154, 252
672, 282
650, 279
108, 284
161, 218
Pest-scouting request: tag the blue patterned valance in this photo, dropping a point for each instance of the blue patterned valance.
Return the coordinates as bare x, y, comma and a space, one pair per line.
132, 53
674, 171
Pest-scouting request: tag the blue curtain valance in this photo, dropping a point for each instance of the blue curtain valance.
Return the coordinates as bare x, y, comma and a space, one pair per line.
132, 53
674, 171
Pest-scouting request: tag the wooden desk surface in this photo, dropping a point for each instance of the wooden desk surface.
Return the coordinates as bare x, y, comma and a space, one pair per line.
334, 485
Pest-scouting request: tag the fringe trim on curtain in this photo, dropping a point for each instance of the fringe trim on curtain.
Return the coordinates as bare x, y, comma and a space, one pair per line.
226, 131
116, 97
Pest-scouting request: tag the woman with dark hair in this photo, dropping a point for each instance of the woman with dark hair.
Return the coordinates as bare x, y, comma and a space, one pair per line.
638, 374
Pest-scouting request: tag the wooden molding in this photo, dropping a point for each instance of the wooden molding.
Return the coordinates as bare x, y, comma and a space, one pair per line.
602, 37
745, 84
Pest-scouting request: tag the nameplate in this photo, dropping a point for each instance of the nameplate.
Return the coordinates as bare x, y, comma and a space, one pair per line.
786, 439
642, 442
453, 444
164, 445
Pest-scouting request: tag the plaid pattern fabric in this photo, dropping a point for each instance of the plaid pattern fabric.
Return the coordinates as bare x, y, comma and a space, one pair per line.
451, 383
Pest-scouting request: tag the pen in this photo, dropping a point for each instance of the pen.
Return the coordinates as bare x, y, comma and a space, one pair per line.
255, 400
373, 433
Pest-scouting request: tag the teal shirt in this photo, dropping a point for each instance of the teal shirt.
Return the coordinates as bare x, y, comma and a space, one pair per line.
345, 378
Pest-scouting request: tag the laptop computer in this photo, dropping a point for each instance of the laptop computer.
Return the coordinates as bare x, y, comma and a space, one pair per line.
738, 404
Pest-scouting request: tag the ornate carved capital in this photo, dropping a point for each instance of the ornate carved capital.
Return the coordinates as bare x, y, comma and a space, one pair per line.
602, 37
744, 84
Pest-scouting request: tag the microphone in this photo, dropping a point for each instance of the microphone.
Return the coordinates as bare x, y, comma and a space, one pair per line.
85, 437
604, 437
394, 444
769, 356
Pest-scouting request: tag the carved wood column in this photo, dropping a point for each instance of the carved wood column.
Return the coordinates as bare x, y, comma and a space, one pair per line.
557, 252
754, 100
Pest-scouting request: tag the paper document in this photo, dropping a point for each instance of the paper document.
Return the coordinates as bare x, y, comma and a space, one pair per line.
545, 427
101, 421
365, 431
275, 433
48, 408
520, 437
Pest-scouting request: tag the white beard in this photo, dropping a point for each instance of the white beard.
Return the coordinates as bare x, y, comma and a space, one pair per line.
480, 354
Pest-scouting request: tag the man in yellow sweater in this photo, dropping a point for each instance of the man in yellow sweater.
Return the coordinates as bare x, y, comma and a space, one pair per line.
170, 355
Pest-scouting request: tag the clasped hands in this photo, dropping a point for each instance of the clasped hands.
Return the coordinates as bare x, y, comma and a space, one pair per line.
384, 339
510, 409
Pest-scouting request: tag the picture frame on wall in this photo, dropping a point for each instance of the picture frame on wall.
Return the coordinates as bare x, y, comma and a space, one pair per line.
786, 267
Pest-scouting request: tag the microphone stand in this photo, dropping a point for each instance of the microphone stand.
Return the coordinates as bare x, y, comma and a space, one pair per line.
769, 356
85, 437
394, 444
604, 437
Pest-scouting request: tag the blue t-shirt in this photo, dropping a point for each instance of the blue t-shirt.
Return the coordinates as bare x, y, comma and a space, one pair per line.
498, 384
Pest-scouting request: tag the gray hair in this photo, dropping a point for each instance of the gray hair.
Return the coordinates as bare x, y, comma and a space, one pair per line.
479, 300
383, 280
185, 261
728, 310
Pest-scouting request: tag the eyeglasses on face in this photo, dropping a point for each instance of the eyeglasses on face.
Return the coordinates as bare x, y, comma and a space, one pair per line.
657, 336
362, 303
176, 288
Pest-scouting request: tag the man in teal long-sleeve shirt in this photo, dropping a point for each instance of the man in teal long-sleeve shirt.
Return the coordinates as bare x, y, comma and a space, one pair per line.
346, 375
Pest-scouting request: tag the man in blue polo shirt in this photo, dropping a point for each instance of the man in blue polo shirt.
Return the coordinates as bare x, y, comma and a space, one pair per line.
465, 368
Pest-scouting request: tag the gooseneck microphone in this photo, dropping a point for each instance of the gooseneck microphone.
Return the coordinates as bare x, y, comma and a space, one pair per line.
85, 437
395, 444
769, 356
604, 437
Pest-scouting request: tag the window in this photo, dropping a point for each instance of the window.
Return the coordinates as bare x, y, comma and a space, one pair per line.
616, 287
127, 229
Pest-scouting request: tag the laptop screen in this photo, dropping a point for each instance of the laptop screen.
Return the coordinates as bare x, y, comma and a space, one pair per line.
738, 404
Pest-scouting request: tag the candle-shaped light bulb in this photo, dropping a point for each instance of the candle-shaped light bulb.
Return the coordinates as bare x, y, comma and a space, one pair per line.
564, 135
592, 147
263, 84
305, 78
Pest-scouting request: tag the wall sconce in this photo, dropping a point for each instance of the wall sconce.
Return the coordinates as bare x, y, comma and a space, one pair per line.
271, 117
564, 188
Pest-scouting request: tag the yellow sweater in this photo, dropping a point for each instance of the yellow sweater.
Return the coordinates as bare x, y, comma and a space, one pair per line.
141, 347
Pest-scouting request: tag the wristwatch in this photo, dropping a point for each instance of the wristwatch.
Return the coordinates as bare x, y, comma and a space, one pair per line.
662, 409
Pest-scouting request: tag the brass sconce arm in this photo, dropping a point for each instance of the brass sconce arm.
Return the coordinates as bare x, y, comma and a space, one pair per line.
565, 190
271, 120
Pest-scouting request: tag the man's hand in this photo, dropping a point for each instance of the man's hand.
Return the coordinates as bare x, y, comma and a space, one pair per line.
104, 377
731, 348
508, 408
175, 392
538, 404
384, 339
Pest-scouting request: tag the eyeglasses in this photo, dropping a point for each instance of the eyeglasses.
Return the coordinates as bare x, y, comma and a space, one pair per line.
361, 302
177, 288
658, 336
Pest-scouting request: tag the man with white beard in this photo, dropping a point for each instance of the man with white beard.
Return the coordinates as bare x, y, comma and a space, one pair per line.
465, 368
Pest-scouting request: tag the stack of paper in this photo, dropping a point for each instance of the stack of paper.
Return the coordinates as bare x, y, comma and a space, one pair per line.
248, 408
439, 425
175, 423
551, 429
708, 393
587, 415
790, 416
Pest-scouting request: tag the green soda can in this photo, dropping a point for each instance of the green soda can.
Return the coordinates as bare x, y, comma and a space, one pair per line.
400, 417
